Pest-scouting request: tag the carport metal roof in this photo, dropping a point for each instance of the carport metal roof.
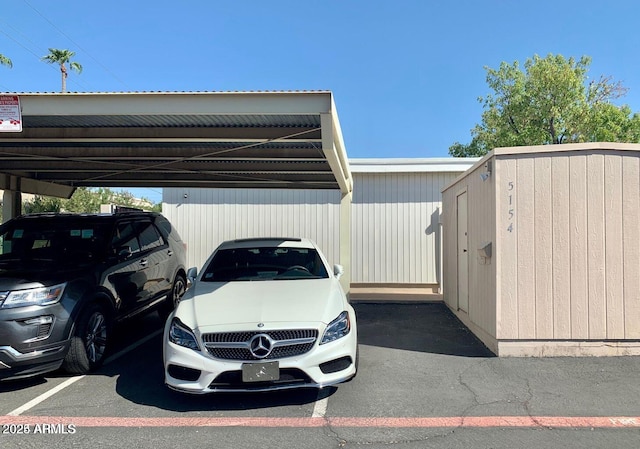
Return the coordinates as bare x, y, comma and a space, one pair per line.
175, 139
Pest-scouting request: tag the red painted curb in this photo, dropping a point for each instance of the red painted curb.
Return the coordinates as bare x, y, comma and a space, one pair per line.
380, 422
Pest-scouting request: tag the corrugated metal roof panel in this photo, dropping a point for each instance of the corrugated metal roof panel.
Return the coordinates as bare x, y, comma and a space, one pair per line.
175, 121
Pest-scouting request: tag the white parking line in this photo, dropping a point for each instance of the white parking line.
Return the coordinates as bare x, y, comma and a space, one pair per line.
320, 408
43, 396
29, 405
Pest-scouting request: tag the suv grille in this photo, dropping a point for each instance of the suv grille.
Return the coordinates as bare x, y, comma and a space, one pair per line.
236, 345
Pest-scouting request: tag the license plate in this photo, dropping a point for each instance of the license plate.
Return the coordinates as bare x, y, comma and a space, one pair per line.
260, 372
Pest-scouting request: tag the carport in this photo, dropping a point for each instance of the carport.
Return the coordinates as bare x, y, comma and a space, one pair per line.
288, 140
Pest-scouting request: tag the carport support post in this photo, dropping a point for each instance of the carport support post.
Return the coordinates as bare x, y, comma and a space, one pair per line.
11, 199
345, 240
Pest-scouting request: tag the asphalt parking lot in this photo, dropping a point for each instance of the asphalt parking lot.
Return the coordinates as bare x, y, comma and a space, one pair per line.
424, 381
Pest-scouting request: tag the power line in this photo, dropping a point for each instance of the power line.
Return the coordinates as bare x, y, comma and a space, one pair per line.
77, 45
38, 57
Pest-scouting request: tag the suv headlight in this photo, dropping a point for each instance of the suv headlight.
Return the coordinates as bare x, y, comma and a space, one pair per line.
40, 296
338, 328
181, 335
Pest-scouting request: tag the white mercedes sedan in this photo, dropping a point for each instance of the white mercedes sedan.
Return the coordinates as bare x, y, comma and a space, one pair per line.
263, 314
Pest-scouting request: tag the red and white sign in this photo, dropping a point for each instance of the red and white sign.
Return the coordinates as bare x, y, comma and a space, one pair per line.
10, 114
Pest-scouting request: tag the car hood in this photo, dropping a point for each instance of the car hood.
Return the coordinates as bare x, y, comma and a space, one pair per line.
18, 276
210, 306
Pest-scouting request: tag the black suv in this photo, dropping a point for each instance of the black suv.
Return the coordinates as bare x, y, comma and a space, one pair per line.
66, 279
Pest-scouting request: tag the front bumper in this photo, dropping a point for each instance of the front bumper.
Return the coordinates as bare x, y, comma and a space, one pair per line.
18, 365
33, 340
198, 373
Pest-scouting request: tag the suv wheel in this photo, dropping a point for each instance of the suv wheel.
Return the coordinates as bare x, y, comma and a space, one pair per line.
89, 341
177, 290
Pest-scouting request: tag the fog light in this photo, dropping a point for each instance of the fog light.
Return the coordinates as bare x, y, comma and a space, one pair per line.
336, 365
183, 373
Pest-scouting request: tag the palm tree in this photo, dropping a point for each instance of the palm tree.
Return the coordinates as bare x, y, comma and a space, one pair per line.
5, 61
62, 57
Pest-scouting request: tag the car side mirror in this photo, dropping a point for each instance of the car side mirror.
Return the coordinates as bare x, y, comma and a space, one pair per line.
192, 274
124, 252
338, 271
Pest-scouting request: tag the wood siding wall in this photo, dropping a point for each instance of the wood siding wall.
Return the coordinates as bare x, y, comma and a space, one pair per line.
481, 215
570, 266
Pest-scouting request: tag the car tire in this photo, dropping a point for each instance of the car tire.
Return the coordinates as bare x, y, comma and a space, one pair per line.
89, 340
178, 288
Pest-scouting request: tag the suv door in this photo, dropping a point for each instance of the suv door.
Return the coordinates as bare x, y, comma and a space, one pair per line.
156, 252
129, 275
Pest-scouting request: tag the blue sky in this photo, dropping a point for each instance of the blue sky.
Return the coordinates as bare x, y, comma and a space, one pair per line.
406, 74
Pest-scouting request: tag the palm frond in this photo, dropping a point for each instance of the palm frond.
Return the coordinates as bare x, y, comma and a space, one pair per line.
5, 61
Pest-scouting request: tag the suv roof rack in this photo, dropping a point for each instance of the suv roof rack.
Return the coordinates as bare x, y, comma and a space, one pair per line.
126, 209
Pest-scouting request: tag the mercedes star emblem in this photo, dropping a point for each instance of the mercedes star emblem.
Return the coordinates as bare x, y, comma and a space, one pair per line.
260, 345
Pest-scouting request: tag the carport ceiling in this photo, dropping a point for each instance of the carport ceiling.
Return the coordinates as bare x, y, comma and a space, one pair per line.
176, 139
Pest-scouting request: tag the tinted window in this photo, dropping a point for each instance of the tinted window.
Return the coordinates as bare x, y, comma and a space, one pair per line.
164, 225
58, 240
126, 237
149, 236
264, 263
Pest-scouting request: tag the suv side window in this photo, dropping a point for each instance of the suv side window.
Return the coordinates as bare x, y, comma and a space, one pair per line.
125, 236
149, 236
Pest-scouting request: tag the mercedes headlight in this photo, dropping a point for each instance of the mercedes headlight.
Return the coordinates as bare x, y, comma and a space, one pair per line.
338, 328
181, 335
40, 296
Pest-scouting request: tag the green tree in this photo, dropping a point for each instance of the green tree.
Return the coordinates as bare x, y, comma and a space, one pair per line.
87, 200
42, 204
62, 58
549, 102
5, 61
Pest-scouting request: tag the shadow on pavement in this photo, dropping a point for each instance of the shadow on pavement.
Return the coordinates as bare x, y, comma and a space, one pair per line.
141, 380
423, 327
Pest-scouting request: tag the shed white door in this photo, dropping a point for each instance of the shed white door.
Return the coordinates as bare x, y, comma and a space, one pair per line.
463, 253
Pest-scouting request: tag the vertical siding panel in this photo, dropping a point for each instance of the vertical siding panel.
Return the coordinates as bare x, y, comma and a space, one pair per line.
404, 229
391, 212
561, 248
595, 246
613, 247
356, 236
506, 249
412, 240
543, 241
450, 276
525, 213
579, 290
428, 249
392, 232
631, 229
364, 231
376, 217
387, 208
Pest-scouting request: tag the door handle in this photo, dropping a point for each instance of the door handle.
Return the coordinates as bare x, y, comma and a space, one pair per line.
144, 262
170, 253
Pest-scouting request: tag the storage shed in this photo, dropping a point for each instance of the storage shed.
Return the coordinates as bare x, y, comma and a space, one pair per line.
542, 249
